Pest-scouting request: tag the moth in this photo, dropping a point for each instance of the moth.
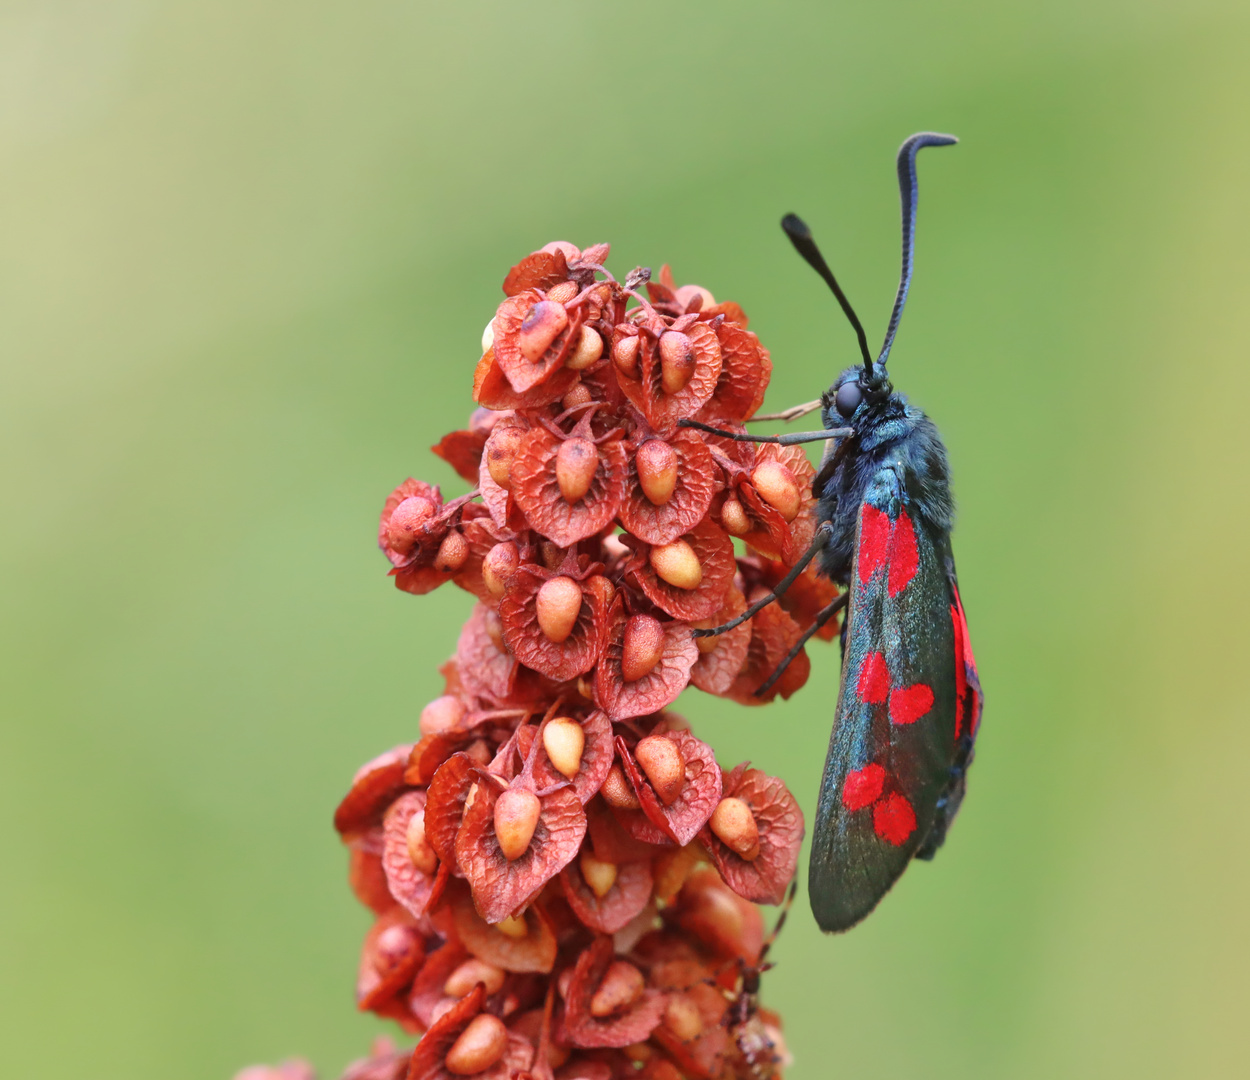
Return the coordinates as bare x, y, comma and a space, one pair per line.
910, 698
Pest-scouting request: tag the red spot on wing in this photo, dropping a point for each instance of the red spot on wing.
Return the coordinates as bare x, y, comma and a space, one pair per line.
874, 539
965, 665
904, 556
909, 703
961, 676
863, 787
893, 819
873, 686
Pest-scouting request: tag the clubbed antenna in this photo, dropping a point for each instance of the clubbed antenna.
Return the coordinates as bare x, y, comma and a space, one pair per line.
801, 237
909, 194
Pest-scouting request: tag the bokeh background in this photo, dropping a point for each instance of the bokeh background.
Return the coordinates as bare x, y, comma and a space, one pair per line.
247, 253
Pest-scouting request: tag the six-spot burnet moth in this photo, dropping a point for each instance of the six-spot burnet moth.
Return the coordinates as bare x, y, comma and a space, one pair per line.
910, 699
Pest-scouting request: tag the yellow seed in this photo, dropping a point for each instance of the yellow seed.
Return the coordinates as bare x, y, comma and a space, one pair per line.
589, 349
419, 851
452, 553
599, 875
682, 1018
734, 823
501, 448
664, 766
657, 470
488, 335
579, 395
479, 1046
622, 985
677, 564
564, 740
706, 645
642, 647
734, 518
558, 604
442, 715
563, 292
499, 565
778, 487
472, 972
617, 792
516, 817
408, 517
676, 360
544, 322
577, 461
513, 926
494, 628
625, 356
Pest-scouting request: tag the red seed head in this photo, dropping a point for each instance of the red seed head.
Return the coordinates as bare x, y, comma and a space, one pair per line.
676, 360
406, 520
657, 470
559, 602
499, 565
479, 1046
625, 356
589, 349
577, 460
500, 451
544, 322
516, 818
733, 822
661, 760
778, 487
622, 985
642, 647
452, 553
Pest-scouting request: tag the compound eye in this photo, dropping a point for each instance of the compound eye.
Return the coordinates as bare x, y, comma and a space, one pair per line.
848, 398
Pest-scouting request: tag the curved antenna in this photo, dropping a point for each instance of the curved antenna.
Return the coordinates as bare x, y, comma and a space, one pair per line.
801, 237
909, 194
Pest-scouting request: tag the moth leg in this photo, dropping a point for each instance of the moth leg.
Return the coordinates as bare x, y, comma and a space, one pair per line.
823, 535
792, 413
781, 921
792, 439
826, 613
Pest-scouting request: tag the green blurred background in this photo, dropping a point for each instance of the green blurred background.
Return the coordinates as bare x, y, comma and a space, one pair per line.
248, 251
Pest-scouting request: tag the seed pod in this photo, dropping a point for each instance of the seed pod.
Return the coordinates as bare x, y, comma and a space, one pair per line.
617, 792
676, 360
577, 461
500, 450
677, 564
589, 349
514, 926
733, 822
602, 589
682, 1018
563, 292
441, 715
733, 517
661, 760
544, 322
642, 647
625, 356
516, 818
494, 629
657, 470
778, 487
472, 972
622, 985
419, 851
558, 603
406, 519
599, 875
564, 740
579, 395
479, 1046
452, 553
499, 565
